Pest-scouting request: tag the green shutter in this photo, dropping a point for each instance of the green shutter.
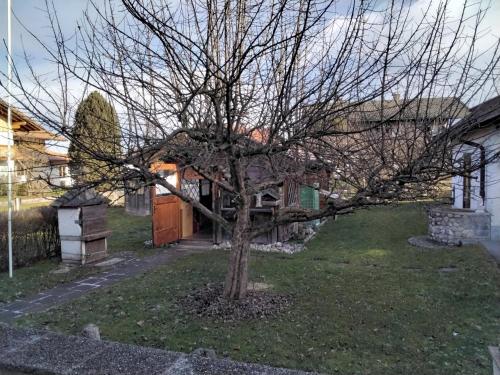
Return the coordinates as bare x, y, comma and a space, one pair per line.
309, 198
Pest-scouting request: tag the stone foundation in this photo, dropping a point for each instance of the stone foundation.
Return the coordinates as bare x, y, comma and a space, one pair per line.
452, 226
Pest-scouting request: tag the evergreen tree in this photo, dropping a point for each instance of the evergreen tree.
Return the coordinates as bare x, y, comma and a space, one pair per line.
95, 138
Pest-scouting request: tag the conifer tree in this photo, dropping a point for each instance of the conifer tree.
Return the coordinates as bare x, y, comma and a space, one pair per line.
95, 138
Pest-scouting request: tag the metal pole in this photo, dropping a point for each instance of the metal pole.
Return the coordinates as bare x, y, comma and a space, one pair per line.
10, 138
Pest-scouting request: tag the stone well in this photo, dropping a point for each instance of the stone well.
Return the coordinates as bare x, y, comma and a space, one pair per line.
453, 226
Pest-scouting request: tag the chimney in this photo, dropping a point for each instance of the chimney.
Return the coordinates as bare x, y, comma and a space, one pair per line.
396, 97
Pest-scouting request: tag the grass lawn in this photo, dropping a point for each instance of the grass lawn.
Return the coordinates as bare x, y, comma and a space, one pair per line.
33, 279
365, 302
129, 232
25, 206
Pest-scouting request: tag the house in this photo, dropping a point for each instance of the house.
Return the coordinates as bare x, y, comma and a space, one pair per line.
58, 172
423, 116
397, 131
35, 163
476, 187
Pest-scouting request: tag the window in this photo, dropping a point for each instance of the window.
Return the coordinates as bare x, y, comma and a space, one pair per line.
205, 188
171, 178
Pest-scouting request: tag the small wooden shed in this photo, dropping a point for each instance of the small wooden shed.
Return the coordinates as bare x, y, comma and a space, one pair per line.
82, 222
173, 219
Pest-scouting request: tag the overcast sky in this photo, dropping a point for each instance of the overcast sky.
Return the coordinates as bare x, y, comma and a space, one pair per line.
31, 14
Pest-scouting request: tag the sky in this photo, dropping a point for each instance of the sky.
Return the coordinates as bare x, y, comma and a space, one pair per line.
31, 14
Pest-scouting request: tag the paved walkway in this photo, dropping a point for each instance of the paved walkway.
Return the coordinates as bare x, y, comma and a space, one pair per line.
493, 248
128, 267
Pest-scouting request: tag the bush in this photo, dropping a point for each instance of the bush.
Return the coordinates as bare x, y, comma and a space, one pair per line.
21, 189
3, 186
35, 236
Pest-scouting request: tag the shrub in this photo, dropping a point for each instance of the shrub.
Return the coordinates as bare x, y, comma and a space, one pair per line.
3, 186
35, 236
21, 189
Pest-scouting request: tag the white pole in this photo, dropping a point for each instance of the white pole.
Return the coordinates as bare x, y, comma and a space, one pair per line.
10, 138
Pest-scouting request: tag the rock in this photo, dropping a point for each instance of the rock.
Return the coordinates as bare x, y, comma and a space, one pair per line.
91, 331
61, 269
278, 247
109, 262
207, 353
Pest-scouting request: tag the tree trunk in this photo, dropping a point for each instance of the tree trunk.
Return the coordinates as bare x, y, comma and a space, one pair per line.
237, 275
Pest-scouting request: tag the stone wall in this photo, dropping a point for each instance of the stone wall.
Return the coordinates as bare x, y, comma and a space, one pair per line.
453, 226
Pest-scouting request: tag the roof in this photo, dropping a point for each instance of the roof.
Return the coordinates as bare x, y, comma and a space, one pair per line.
483, 115
78, 198
25, 127
444, 108
57, 157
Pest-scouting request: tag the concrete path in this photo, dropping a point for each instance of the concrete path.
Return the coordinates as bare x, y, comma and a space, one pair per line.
128, 267
493, 248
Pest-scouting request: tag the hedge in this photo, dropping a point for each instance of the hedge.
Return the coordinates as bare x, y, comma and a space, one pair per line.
35, 236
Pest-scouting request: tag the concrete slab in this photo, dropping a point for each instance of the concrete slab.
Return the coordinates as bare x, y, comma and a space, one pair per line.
493, 248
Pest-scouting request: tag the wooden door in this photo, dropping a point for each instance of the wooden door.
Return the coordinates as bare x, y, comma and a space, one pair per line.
166, 213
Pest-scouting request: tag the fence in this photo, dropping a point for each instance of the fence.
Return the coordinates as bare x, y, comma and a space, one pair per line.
35, 236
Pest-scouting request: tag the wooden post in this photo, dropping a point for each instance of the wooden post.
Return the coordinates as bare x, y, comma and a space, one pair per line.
216, 207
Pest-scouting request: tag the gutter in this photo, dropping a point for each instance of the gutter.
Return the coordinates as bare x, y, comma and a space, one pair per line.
482, 172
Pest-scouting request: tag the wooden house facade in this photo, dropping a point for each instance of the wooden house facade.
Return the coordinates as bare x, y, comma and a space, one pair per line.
33, 161
174, 219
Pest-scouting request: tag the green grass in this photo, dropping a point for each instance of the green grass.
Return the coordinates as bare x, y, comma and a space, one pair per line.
36, 278
129, 232
365, 302
25, 206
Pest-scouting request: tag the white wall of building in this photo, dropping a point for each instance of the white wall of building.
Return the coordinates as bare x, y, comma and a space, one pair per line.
490, 139
4, 134
4, 142
59, 175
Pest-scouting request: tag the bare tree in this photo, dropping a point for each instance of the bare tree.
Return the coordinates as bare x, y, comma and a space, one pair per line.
296, 85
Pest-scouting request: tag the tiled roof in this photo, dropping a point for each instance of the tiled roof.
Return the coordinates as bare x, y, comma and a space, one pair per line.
411, 109
483, 114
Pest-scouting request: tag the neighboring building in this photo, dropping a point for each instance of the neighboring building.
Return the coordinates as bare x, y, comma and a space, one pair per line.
390, 133
401, 129
479, 191
58, 171
34, 162
423, 116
